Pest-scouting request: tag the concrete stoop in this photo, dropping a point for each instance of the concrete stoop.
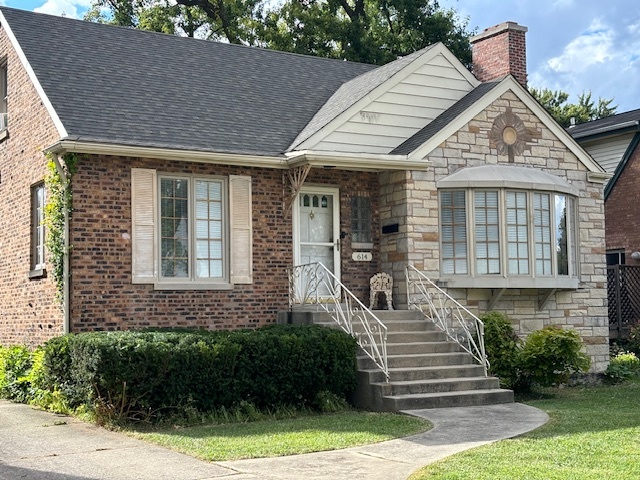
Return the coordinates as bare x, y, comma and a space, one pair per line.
426, 370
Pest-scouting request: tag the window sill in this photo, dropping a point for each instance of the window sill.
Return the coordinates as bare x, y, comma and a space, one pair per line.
37, 273
4, 134
509, 282
192, 286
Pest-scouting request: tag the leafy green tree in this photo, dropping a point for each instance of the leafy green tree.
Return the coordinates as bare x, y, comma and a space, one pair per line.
556, 102
234, 21
371, 31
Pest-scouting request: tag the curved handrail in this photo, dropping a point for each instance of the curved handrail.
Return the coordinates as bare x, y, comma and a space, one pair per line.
446, 313
314, 283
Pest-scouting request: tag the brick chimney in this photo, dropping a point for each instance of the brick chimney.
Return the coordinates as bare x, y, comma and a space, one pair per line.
499, 51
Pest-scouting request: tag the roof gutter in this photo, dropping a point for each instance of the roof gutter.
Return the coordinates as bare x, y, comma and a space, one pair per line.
628, 126
98, 148
362, 162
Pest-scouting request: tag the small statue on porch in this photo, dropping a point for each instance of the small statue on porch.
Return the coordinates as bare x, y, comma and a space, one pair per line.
381, 290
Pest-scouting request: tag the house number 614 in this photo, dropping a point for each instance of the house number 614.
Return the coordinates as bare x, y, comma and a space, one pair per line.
361, 256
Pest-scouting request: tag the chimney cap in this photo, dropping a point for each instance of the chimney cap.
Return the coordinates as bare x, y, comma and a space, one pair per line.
497, 29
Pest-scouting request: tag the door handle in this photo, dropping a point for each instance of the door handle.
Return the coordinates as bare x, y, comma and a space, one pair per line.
338, 244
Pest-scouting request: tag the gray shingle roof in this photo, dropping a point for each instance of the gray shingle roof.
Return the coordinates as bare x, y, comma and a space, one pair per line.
352, 91
125, 86
621, 121
442, 120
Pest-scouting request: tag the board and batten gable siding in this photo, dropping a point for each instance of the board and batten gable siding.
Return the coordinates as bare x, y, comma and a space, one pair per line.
608, 153
401, 111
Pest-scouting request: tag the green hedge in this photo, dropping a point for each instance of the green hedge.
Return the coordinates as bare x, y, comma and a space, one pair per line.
144, 372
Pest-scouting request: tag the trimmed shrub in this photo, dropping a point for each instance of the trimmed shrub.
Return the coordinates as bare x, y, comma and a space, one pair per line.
135, 375
15, 365
622, 367
502, 347
633, 341
549, 356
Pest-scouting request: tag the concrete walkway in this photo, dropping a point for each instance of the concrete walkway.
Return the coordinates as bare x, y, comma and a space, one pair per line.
43, 446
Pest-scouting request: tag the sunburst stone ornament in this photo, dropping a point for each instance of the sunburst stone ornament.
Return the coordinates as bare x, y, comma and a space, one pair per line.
509, 135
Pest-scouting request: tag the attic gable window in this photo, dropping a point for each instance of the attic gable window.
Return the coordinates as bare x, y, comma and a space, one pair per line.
191, 232
507, 236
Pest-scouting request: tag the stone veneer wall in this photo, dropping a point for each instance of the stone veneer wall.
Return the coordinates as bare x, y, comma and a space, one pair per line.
103, 297
28, 313
416, 242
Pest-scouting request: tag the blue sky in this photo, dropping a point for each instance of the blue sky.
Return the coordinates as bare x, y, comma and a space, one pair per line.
572, 45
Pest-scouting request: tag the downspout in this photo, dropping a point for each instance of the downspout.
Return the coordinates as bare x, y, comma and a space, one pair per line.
65, 265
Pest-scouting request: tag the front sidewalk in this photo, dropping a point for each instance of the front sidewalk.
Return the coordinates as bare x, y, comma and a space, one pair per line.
42, 446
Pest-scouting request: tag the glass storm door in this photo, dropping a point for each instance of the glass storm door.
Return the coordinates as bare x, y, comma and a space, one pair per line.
317, 231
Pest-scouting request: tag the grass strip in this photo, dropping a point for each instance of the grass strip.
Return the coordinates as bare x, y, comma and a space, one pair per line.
272, 438
593, 434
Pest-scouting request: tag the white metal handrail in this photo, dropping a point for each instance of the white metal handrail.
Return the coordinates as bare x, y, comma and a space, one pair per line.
446, 313
314, 284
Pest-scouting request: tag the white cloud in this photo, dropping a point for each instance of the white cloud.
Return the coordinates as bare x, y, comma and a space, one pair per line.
562, 4
593, 46
67, 7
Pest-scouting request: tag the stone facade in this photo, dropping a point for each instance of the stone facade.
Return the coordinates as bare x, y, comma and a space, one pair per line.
28, 313
410, 199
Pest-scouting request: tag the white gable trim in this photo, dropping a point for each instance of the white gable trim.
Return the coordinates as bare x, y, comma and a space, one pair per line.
32, 76
508, 84
345, 115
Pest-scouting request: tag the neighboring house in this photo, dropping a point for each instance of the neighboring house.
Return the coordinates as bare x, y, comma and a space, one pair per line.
613, 142
205, 170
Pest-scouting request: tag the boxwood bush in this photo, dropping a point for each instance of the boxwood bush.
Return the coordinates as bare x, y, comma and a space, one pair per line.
138, 374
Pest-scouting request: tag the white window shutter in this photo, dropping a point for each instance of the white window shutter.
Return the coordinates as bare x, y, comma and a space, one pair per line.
241, 247
143, 221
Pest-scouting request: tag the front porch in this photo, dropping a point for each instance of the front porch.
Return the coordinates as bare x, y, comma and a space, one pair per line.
429, 355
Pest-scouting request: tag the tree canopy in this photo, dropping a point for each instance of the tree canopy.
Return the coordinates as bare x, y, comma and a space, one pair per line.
556, 102
370, 31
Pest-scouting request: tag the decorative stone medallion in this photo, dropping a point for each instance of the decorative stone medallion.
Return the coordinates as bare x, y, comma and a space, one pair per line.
509, 135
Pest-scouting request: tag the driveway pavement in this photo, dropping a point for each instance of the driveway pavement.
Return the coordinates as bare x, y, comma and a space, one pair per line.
37, 445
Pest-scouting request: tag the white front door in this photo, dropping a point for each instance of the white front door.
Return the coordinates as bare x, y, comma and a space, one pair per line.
316, 228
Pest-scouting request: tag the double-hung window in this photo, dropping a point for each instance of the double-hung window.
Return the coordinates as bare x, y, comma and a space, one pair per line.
506, 236
191, 231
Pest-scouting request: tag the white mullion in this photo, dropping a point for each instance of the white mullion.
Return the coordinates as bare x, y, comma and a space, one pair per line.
471, 232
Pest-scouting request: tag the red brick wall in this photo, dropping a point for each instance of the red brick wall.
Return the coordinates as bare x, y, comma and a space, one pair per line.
499, 51
103, 296
28, 314
622, 228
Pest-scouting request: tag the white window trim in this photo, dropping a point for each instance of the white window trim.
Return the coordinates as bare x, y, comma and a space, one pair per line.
504, 279
192, 279
237, 225
37, 269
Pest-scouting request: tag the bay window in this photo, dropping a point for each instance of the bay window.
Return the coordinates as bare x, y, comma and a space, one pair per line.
503, 236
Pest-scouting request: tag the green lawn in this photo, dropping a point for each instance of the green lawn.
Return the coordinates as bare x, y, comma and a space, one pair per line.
593, 434
272, 438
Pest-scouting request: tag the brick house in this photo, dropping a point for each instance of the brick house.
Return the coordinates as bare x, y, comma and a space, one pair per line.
205, 170
613, 142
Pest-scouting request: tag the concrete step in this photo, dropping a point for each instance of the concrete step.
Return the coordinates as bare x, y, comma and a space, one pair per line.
422, 347
448, 399
420, 360
415, 337
438, 385
424, 373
